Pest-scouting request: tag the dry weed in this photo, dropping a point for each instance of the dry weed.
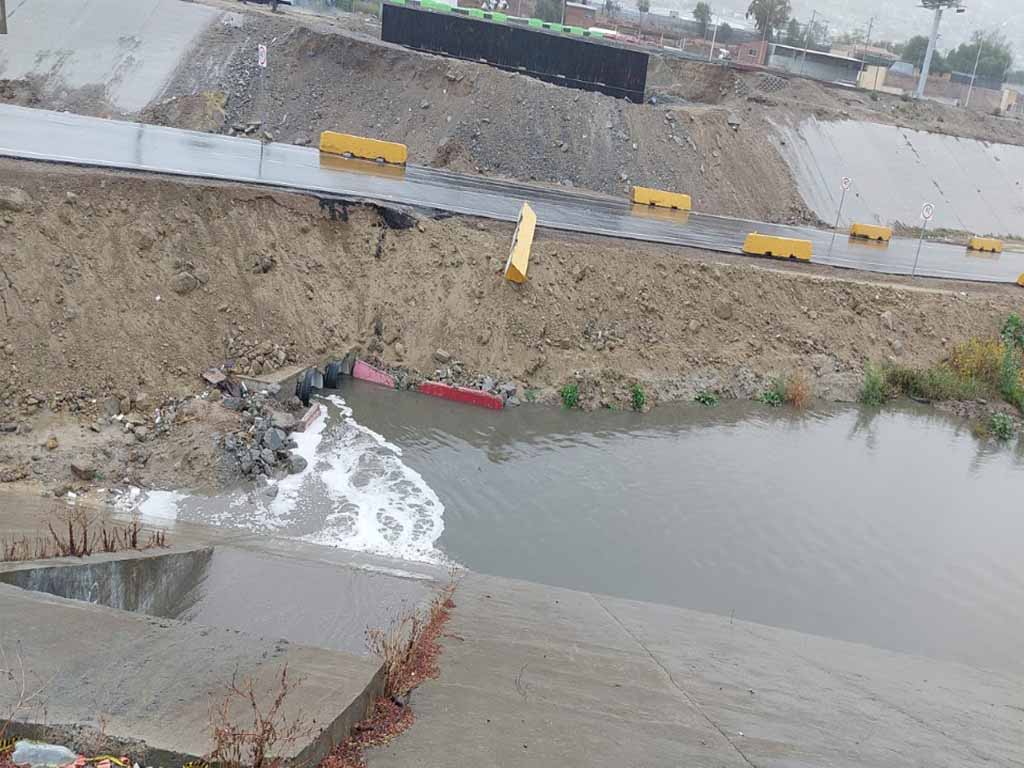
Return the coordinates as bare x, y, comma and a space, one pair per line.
256, 744
798, 390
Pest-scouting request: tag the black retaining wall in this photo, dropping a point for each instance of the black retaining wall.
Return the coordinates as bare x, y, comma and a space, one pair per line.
555, 58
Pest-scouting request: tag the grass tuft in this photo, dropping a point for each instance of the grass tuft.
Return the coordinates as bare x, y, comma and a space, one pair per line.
570, 394
637, 398
706, 398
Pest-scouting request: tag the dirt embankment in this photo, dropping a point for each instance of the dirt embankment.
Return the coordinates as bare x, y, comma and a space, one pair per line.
123, 288
473, 118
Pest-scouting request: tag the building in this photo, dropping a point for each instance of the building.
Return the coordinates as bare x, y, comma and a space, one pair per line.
579, 15
751, 53
816, 64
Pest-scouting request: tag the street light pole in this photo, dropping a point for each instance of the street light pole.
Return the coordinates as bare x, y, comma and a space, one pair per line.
3, 17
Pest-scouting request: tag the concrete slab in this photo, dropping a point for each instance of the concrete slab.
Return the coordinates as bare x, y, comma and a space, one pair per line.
539, 676
974, 185
141, 679
129, 48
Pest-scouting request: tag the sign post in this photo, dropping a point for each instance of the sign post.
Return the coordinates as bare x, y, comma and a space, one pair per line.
927, 212
261, 61
846, 183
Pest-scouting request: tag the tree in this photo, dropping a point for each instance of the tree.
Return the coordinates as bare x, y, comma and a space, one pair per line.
793, 34
611, 8
724, 33
644, 6
996, 55
702, 15
914, 51
549, 10
1016, 77
769, 15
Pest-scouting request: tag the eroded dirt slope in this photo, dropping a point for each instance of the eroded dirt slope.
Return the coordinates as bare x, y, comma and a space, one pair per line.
114, 284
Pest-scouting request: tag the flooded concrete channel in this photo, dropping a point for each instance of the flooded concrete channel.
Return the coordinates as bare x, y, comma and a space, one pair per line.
899, 529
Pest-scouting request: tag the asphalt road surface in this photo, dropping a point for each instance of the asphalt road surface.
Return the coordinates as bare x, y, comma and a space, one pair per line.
61, 137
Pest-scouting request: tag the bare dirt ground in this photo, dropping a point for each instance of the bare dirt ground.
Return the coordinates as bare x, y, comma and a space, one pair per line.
118, 290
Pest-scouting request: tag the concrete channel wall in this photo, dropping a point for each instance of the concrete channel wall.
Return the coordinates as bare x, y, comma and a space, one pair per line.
154, 585
975, 186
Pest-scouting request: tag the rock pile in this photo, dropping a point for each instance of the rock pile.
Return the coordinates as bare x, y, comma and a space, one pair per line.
262, 447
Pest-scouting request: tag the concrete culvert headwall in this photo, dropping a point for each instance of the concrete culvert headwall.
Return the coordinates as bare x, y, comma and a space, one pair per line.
153, 584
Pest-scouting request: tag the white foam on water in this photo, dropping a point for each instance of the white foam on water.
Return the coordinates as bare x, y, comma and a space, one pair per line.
381, 505
151, 505
355, 493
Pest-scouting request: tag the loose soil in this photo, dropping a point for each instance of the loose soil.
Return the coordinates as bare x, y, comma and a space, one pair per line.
124, 288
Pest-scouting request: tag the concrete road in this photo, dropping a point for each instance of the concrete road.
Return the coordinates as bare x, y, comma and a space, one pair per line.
62, 137
540, 676
127, 50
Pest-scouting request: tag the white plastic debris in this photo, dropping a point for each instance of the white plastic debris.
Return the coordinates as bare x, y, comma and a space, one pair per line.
36, 753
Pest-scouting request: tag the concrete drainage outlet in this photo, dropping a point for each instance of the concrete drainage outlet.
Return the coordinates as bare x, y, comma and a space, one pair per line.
154, 584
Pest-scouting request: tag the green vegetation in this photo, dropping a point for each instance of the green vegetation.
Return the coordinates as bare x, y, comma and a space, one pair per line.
1012, 332
706, 398
570, 394
872, 391
530, 395
1001, 426
637, 398
775, 395
978, 368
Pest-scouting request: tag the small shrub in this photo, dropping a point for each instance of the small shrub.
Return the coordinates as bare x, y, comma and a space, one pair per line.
1012, 332
1001, 426
706, 398
873, 391
979, 359
570, 394
637, 398
264, 729
1010, 376
798, 390
775, 395
530, 395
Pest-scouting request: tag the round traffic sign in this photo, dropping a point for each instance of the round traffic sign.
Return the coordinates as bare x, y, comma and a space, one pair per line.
847, 181
927, 211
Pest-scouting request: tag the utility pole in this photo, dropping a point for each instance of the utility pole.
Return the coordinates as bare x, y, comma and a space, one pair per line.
974, 74
807, 39
714, 40
3, 17
937, 7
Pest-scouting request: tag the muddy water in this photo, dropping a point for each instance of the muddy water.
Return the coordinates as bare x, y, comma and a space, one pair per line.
897, 529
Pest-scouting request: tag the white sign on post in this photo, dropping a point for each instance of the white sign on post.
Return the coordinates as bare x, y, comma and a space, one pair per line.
262, 56
927, 211
847, 181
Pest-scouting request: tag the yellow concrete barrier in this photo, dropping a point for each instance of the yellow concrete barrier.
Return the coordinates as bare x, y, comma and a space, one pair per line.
989, 244
871, 232
779, 247
519, 255
358, 146
1020, 280
661, 198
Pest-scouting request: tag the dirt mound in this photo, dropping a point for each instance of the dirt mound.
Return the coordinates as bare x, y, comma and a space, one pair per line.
53, 94
473, 118
195, 112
